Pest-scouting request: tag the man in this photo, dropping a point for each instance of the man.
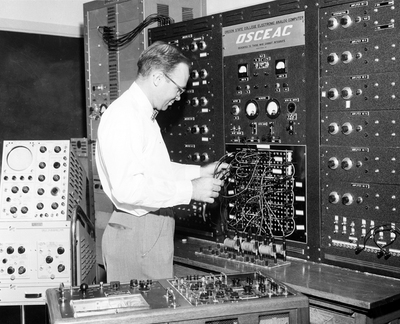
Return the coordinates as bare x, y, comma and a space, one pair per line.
136, 172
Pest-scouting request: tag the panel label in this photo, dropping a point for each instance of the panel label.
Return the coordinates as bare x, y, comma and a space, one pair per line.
265, 34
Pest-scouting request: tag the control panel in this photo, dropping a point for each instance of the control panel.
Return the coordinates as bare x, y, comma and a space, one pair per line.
264, 77
34, 257
256, 115
41, 180
196, 298
192, 127
359, 135
265, 197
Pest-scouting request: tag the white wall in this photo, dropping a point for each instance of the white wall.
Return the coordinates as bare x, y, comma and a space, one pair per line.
65, 17
52, 17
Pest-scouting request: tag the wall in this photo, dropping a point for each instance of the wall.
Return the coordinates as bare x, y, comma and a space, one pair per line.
65, 18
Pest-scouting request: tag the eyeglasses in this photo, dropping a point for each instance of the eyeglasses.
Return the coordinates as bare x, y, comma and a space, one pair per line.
180, 89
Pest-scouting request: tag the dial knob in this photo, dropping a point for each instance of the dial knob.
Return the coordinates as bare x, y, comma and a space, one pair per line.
333, 23
194, 74
333, 58
346, 57
203, 101
235, 110
333, 163
346, 21
347, 128
333, 94
347, 93
333, 128
347, 199
333, 197
347, 164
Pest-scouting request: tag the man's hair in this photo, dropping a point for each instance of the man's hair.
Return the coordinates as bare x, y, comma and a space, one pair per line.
160, 56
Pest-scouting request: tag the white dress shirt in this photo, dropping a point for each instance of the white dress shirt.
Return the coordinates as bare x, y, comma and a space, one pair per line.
133, 162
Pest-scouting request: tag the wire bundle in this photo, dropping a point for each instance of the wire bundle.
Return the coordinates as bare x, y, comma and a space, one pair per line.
374, 236
115, 42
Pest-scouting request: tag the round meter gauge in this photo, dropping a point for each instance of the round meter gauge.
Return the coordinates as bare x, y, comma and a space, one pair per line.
273, 108
252, 109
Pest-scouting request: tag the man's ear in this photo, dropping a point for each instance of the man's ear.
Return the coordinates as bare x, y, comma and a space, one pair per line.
157, 77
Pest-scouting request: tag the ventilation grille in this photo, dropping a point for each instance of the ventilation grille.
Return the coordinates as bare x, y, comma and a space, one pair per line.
187, 14
112, 57
77, 182
163, 9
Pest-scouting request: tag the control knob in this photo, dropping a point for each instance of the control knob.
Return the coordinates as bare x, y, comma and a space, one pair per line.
346, 57
347, 164
333, 197
333, 94
235, 110
333, 128
333, 23
347, 128
333, 163
346, 21
333, 58
347, 199
347, 93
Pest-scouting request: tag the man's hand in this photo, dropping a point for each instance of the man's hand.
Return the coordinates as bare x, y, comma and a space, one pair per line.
206, 189
215, 169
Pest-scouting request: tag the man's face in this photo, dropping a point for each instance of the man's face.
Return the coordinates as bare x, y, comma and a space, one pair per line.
174, 85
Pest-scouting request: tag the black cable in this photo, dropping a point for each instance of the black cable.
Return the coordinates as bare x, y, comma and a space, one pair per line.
115, 42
